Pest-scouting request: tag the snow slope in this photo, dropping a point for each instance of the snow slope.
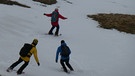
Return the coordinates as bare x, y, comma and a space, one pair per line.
95, 51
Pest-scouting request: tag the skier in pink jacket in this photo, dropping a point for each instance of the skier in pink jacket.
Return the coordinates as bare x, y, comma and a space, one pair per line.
55, 15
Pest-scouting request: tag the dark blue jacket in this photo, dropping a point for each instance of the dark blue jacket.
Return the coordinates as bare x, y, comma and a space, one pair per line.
59, 51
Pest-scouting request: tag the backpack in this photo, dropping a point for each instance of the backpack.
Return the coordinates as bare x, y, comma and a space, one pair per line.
65, 50
54, 17
25, 50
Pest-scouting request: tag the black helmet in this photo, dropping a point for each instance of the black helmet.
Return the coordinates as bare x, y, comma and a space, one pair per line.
35, 41
62, 41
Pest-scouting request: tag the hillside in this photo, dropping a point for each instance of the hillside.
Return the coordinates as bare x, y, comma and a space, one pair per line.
95, 51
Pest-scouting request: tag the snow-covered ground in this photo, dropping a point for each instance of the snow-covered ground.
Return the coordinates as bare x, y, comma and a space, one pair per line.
95, 51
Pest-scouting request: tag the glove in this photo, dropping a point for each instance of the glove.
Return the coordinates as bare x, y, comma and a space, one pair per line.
56, 61
65, 18
44, 14
38, 64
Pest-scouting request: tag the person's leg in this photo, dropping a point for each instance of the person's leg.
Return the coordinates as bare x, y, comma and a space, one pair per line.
14, 64
63, 65
68, 65
57, 30
22, 67
51, 30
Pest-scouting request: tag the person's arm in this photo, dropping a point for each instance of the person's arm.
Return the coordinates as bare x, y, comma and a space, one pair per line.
57, 54
49, 15
62, 17
35, 56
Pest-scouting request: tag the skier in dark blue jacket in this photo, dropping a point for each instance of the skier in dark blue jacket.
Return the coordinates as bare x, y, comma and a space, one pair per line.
64, 59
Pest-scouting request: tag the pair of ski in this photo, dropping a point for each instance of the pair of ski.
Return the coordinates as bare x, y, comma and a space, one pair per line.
53, 34
68, 71
14, 71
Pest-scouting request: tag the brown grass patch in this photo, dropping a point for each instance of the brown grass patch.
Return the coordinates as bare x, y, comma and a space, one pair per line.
49, 2
8, 2
121, 22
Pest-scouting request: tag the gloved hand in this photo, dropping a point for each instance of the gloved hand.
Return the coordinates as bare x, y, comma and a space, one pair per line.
56, 61
38, 64
44, 14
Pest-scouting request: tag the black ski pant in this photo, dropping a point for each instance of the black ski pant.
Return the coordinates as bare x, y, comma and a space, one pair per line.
66, 61
52, 28
22, 67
